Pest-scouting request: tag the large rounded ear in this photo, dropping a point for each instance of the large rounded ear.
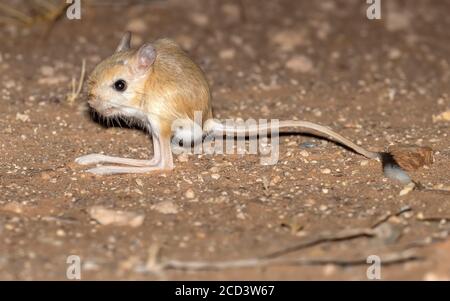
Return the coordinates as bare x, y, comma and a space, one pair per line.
125, 42
145, 57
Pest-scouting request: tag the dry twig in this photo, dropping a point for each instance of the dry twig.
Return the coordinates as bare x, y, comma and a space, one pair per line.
324, 237
274, 257
390, 258
384, 218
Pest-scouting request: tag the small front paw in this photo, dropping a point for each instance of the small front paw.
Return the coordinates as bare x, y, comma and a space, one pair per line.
89, 159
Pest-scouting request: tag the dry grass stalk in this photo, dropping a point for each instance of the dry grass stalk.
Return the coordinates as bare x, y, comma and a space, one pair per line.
73, 95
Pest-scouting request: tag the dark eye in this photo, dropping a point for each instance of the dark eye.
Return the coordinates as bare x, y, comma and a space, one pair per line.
120, 85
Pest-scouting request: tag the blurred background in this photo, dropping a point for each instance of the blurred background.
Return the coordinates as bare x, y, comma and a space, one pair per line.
309, 46
378, 81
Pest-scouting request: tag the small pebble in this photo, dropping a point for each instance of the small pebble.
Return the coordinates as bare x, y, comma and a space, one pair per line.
407, 189
183, 157
166, 207
60, 232
364, 162
304, 153
22, 117
105, 216
300, 63
227, 54
326, 171
189, 194
307, 144
199, 19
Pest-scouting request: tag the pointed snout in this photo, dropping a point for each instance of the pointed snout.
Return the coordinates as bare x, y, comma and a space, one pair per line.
102, 107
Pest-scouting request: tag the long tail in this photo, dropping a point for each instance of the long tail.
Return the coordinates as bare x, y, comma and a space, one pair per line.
307, 127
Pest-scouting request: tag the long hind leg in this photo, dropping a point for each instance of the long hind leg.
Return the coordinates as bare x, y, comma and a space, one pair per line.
165, 161
99, 158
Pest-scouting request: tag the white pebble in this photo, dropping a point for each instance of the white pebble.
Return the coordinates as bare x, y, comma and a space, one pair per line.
189, 194
166, 207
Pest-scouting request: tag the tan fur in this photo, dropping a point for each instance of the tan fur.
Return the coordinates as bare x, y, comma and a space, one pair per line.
175, 86
108, 68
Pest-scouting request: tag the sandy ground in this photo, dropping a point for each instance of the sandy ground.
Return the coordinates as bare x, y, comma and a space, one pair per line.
379, 82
